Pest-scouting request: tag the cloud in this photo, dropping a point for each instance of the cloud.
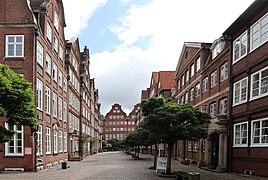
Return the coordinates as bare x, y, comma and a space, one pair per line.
78, 13
123, 72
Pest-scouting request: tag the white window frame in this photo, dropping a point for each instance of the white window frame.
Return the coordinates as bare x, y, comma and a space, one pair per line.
15, 141
55, 72
204, 109
213, 79
48, 64
65, 141
54, 104
212, 109
239, 40
223, 106
198, 64
56, 20
40, 54
49, 32
240, 136
61, 53
15, 45
60, 141
182, 80
56, 43
60, 78
187, 75
192, 70
48, 97
239, 83
205, 85
197, 90
191, 94
48, 140
65, 84
65, 111
262, 84
189, 145
258, 33
186, 97
224, 72
39, 141
55, 140
262, 134
60, 108
39, 94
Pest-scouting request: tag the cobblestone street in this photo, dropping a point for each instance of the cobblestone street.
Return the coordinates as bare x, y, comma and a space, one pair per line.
115, 166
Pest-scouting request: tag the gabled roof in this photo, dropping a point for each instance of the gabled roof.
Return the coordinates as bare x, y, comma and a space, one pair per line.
166, 79
185, 45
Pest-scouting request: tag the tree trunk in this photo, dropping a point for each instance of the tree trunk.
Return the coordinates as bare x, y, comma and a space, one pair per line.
138, 151
155, 155
184, 149
170, 148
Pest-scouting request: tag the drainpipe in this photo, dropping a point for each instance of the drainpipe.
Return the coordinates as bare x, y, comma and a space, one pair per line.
230, 104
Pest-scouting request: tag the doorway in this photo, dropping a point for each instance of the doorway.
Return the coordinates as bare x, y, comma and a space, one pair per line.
214, 150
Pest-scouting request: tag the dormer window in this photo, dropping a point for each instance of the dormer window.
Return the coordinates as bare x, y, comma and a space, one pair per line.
217, 48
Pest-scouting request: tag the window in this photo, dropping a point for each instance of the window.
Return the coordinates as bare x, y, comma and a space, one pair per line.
55, 141
204, 145
60, 78
259, 32
212, 109
259, 84
47, 100
195, 149
65, 141
64, 111
39, 141
224, 72
204, 108
192, 70
241, 134
198, 64
186, 97
48, 64
39, 54
187, 76
60, 108
15, 147
240, 91
55, 72
260, 132
49, 32
213, 79
223, 106
39, 94
205, 85
14, 45
178, 84
240, 47
56, 43
56, 20
197, 90
192, 94
60, 141
189, 145
48, 141
61, 53
182, 80
65, 84
54, 104
217, 49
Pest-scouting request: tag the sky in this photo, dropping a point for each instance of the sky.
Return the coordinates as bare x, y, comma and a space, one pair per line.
129, 39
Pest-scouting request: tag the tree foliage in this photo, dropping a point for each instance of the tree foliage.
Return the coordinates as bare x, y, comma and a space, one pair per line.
16, 101
172, 122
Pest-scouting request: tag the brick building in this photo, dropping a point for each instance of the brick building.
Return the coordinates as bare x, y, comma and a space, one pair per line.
34, 45
202, 81
248, 36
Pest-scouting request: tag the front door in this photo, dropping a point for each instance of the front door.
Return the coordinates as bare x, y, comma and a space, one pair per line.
214, 150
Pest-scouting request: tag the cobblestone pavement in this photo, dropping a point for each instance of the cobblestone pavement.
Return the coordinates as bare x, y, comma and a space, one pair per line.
116, 166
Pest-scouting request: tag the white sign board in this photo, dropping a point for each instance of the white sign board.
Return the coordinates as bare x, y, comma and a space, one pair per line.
161, 163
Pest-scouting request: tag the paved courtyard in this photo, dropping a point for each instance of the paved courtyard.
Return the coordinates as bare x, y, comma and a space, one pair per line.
116, 166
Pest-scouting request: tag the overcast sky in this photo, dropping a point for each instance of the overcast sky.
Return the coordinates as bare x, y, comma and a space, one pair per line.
129, 39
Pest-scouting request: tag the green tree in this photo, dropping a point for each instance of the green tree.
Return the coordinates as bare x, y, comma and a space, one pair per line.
172, 122
16, 102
